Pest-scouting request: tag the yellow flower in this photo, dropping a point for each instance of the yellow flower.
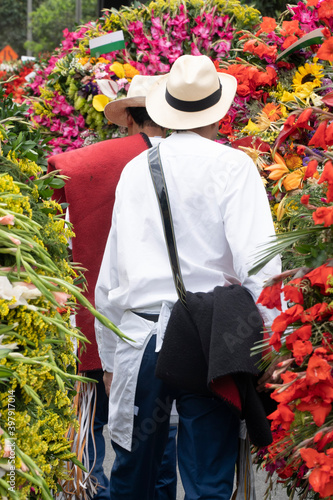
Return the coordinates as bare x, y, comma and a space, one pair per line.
118, 69
251, 128
311, 74
100, 101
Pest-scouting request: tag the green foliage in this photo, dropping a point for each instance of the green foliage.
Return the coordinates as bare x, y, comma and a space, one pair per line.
273, 8
17, 135
13, 24
51, 18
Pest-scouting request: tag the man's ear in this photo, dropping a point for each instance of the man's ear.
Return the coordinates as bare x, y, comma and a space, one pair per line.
129, 119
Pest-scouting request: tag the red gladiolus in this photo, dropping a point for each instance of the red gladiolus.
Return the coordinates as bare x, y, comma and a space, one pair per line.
301, 349
293, 293
321, 476
318, 409
320, 276
270, 296
303, 119
311, 169
318, 139
283, 417
315, 312
327, 174
267, 26
303, 333
286, 318
318, 370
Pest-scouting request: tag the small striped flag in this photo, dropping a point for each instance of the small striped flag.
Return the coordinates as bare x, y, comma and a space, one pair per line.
107, 43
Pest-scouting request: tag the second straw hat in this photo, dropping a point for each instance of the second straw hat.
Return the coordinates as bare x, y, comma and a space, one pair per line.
115, 111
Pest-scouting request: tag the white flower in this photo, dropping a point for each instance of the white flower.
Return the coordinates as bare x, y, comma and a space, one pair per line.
20, 291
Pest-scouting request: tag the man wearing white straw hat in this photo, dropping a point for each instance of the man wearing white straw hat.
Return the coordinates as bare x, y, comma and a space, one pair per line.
220, 214
93, 173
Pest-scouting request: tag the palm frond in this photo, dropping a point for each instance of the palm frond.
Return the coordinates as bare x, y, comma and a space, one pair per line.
279, 243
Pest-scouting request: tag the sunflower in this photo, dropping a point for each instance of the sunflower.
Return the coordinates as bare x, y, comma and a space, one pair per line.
310, 74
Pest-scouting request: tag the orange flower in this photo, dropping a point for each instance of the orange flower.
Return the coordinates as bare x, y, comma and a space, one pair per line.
273, 111
267, 26
277, 171
312, 3
271, 296
291, 28
295, 179
325, 10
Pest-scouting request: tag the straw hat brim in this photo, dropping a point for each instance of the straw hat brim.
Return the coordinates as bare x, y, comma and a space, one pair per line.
166, 116
115, 111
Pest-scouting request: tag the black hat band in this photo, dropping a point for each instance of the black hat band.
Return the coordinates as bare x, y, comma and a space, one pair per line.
193, 106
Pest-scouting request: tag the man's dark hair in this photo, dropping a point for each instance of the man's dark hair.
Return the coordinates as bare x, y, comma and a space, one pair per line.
141, 117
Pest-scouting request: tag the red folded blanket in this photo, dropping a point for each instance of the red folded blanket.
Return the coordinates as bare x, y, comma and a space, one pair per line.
94, 172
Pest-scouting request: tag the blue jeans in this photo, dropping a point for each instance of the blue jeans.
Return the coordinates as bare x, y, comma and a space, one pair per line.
166, 486
101, 419
207, 441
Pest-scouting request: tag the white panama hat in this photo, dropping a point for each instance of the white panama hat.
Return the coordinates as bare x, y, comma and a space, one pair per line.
115, 111
192, 95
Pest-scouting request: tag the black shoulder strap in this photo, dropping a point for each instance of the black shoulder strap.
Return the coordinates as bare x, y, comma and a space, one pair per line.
156, 170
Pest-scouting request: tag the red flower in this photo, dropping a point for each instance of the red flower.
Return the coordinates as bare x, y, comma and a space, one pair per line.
311, 169
267, 26
271, 296
318, 409
305, 199
323, 215
293, 293
286, 318
283, 417
303, 333
315, 312
304, 117
321, 477
320, 276
300, 350
327, 174
318, 139
318, 370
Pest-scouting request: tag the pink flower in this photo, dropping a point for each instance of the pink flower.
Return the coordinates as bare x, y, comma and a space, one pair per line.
61, 297
14, 240
7, 219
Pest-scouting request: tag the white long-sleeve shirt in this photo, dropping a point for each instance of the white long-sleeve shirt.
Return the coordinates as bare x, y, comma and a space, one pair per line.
221, 215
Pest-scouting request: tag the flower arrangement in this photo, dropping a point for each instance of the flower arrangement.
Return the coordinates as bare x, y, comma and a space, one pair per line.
282, 117
68, 103
14, 77
39, 289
